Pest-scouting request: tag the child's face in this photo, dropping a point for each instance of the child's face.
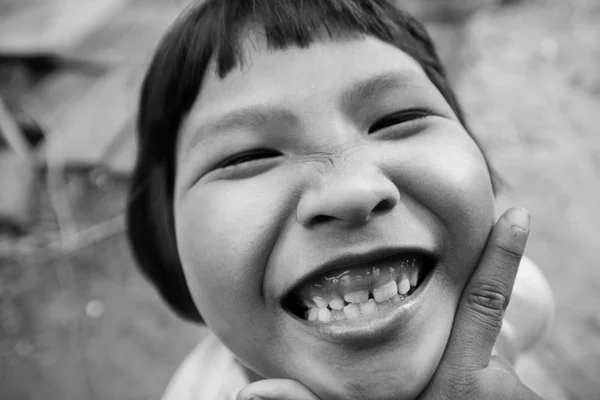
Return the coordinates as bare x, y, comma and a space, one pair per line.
349, 154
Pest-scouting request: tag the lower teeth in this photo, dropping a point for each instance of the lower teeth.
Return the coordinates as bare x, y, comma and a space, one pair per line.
352, 310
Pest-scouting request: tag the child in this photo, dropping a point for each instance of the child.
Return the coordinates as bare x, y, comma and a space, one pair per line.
306, 186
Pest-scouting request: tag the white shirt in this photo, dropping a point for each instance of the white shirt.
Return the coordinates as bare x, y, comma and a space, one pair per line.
209, 372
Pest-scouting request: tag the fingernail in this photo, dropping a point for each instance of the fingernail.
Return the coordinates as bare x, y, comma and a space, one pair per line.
518, 217
249, 396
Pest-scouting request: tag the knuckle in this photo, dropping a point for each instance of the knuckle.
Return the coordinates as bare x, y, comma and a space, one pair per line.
489, 299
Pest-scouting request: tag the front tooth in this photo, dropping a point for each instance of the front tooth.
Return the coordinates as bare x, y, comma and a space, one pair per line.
397, 298
403, 285
352, 310
320, 302
368, 307
308, 303
360, 296
312, 313
414, 276
385, 292
324, 315
384, 304
337, 303
336, 315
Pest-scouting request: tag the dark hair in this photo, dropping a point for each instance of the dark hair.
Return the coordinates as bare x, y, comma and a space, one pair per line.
211, 31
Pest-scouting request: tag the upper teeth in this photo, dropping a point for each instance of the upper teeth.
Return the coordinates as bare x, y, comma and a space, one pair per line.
414, 277
358, 303
387, 291
336, 303
357, 297
320, 302
403, 286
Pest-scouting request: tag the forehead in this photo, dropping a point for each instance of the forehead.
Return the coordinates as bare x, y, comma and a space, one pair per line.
327, 71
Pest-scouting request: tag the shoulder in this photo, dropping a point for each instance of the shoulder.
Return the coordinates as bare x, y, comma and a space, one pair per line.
206, 373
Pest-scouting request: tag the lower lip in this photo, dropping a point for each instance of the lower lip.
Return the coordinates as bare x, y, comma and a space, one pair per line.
374, 327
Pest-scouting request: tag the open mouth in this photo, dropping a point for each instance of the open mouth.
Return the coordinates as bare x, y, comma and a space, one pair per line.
361, 290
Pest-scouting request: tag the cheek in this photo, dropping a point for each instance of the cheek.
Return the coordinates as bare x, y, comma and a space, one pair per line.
223, 245
460, 194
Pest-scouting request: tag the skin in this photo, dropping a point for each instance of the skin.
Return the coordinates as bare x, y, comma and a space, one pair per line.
467, 370
248, 233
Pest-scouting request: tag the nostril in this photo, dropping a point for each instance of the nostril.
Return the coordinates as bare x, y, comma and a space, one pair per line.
384, 205
320, 219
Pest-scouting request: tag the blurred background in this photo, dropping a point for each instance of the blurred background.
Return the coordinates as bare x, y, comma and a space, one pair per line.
77, 321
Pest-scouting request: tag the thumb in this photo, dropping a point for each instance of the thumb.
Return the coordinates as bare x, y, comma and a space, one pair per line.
276, 389
479, 316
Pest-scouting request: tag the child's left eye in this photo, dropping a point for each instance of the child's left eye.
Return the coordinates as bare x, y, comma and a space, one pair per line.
399, 118
247, 157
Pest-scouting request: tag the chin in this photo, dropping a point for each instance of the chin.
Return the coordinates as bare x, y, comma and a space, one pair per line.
402, 382
398, 368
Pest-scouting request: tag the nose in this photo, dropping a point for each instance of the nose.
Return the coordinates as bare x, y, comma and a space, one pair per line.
352, 197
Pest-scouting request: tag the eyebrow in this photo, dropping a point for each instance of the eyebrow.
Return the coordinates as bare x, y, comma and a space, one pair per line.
372, 88
247, 117
263, 114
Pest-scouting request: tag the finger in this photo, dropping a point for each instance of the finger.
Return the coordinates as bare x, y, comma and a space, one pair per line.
276, 389
486, 296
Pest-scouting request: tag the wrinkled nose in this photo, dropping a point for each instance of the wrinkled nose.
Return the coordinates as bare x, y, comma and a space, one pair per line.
353, 198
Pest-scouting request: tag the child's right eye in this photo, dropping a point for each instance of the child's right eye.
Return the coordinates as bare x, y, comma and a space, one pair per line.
247, 157
399, 118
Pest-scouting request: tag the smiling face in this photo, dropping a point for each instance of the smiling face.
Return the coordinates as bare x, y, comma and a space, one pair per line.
339, 160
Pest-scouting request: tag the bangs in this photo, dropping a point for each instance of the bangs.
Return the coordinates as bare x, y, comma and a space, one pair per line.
299, 23
215, 30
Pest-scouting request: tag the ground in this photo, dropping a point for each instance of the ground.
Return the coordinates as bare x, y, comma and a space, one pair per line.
83, 324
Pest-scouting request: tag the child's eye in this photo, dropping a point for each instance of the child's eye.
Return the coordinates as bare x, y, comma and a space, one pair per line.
246, 157
399, 118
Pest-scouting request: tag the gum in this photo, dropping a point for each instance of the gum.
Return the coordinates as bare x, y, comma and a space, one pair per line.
338, 283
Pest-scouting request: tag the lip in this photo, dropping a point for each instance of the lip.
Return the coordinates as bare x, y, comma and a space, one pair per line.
372, 328
376, 326
357, 259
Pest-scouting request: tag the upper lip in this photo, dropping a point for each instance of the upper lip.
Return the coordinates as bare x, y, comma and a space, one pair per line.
358, 259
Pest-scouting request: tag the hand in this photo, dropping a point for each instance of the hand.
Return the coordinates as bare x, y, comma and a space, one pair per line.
467, 369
